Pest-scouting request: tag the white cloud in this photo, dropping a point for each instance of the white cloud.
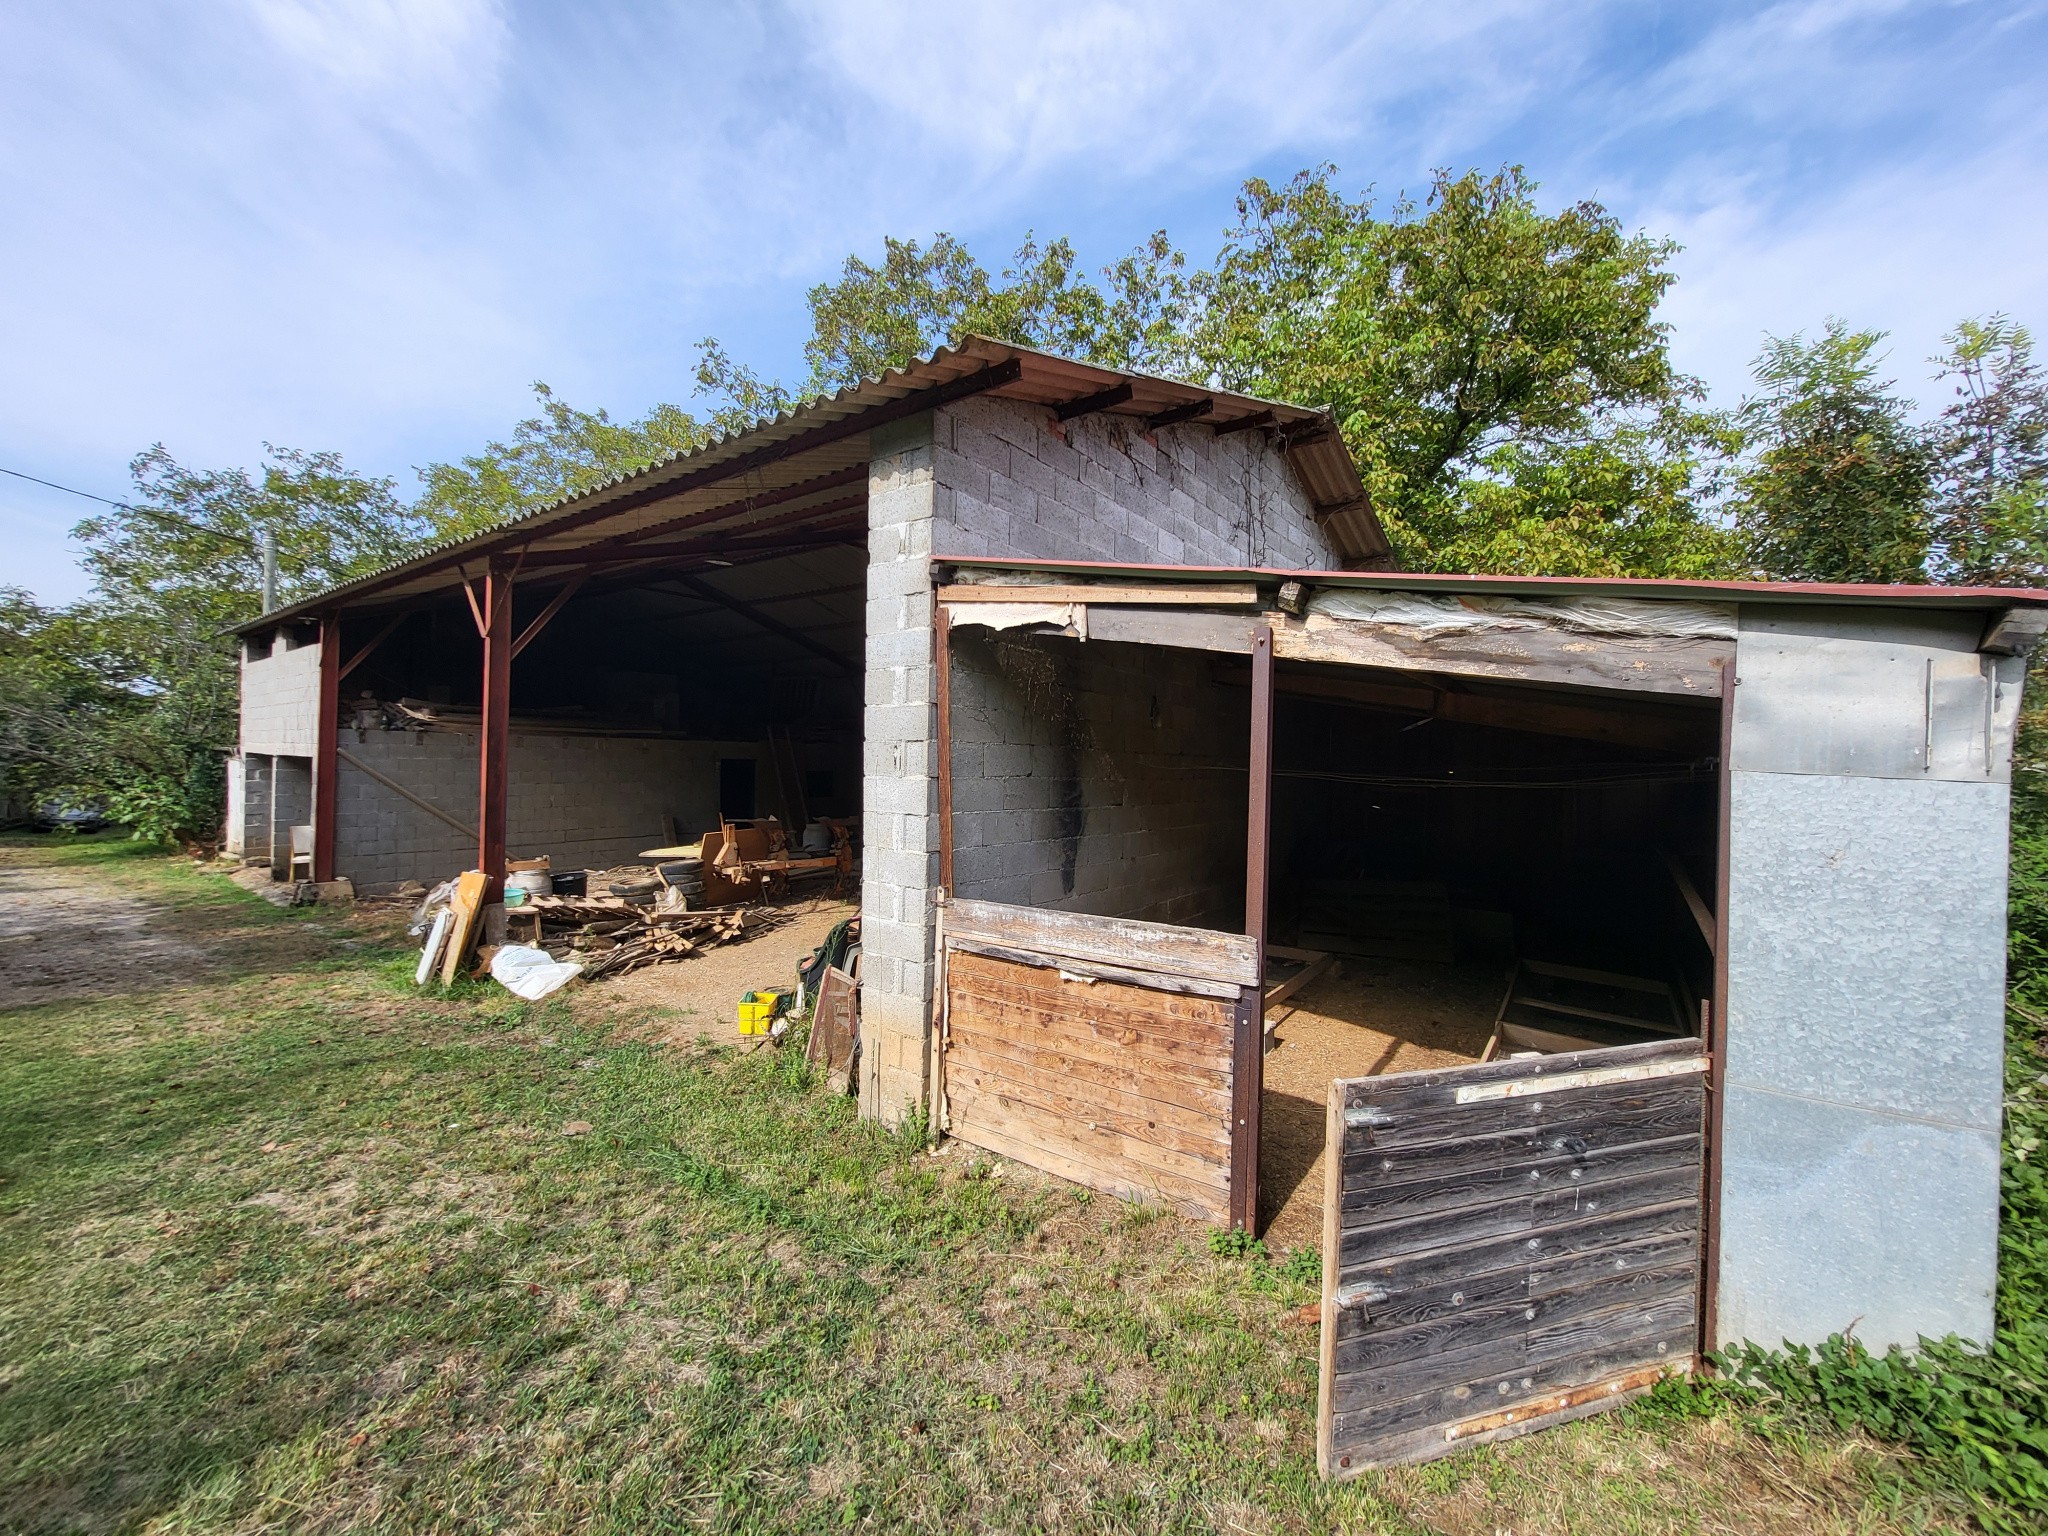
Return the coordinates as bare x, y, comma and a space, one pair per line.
422, 66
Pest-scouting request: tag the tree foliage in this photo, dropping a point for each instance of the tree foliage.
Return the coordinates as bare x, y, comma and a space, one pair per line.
128, 698
1498, 372
552, 455
1836, 488
1990, 450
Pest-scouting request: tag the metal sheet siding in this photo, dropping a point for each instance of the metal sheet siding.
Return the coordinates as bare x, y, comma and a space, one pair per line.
1833, 1216
1866, 969
1874, 695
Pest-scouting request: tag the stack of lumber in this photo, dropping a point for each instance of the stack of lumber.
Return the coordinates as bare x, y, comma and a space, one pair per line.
610, 936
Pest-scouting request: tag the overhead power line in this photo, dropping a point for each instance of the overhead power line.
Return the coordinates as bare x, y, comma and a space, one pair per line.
152, 512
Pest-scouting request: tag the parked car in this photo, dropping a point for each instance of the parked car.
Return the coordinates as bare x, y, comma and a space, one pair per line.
60, 816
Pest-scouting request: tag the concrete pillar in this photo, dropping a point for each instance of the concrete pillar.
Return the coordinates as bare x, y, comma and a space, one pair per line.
899, 791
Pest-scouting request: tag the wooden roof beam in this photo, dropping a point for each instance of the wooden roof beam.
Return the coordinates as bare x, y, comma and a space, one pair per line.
1176, 413
1101, 400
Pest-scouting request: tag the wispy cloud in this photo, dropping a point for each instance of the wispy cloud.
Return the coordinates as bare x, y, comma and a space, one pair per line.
368, 224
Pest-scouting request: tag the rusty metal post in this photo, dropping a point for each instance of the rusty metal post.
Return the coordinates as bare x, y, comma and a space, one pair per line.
1248, 1046
1716, 1031
491, 744
326, 746
942, 742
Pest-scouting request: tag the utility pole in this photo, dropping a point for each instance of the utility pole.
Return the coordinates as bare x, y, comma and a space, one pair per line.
269, 570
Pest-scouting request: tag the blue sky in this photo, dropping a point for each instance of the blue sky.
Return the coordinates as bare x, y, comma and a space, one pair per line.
369, 225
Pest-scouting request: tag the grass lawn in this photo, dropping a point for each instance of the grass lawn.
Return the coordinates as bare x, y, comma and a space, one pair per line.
288, 1245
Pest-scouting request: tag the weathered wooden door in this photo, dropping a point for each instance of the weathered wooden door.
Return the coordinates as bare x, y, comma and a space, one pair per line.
1506, 1246
1101, 1050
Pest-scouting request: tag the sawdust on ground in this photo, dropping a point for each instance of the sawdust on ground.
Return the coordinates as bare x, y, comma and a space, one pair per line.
1368, 1017
65, 934
700, 995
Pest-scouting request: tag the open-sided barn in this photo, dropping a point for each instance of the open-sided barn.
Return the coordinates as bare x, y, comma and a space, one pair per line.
1628, 955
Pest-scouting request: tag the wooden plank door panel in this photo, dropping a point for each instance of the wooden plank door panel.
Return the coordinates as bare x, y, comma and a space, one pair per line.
1506, 1246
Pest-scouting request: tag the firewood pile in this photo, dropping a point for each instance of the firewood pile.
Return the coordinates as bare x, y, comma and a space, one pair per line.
611, 935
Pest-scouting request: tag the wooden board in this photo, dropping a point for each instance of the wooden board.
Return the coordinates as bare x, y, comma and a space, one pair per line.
1123, 1088
466, 916
1189, 594
1506, 1246
430, 952
833, 1027
1684, 667
1195, 953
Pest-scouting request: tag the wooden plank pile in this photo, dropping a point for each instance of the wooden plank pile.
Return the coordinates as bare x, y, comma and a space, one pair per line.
611, 936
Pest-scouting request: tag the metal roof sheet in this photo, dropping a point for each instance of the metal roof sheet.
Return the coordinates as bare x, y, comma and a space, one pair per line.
1652, 587
805, 461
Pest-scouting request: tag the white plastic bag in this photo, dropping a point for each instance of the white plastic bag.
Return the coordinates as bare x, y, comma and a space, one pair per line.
531, 973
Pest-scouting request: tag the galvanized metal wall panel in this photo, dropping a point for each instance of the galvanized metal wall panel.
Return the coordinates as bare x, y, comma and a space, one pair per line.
1833, 1217
1883, 696
1866, 964
1866, 972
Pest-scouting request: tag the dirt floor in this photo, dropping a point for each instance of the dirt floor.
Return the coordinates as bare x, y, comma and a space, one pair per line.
63, 934
700, 996
1368, 1018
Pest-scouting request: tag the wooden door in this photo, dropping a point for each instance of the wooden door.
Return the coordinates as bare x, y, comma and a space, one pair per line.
1506, 1246
1099, 1049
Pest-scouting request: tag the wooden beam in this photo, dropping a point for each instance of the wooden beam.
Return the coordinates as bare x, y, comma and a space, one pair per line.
1688, 668
858, 424
1615, 723
853, 474
1171, 594
1695, 903
2014, 632
540, 620
1101, 400
493, 738
627, 554
1253, 422
364, 654
1178, 413
774, 626
326, 739
403, 793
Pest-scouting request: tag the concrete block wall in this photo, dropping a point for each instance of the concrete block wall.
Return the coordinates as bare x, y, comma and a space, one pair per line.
281, 701
585, 801
1004, 479
1015, 482
1099, 778
291, 805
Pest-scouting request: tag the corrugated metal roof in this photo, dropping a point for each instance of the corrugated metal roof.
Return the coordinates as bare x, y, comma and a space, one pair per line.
806, 461
1652, 587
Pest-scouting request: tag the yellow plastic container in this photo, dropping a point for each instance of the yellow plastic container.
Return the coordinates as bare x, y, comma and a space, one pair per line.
757, 1012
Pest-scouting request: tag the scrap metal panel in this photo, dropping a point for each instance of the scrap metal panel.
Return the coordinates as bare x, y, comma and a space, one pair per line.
1866, 949
1902, 697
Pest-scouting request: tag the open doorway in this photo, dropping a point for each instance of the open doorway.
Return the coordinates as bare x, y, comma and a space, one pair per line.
1472, 870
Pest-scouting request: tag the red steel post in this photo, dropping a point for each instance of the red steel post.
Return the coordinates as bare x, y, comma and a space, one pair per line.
326, 744
491, 744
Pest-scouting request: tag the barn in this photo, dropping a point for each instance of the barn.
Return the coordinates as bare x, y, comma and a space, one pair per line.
1597, 971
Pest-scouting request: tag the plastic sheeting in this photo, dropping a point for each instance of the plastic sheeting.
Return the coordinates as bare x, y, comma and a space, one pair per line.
1436, 616
1070, 617
531, 973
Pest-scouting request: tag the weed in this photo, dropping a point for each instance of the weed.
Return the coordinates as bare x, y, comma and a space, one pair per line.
1236, 1243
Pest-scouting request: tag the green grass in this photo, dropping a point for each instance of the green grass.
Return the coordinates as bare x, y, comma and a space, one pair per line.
296, 1247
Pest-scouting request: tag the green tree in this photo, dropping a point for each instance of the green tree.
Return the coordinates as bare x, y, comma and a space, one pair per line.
920, 298
1836, 483
1463, 344
1990, 450
553, 455
129, 697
